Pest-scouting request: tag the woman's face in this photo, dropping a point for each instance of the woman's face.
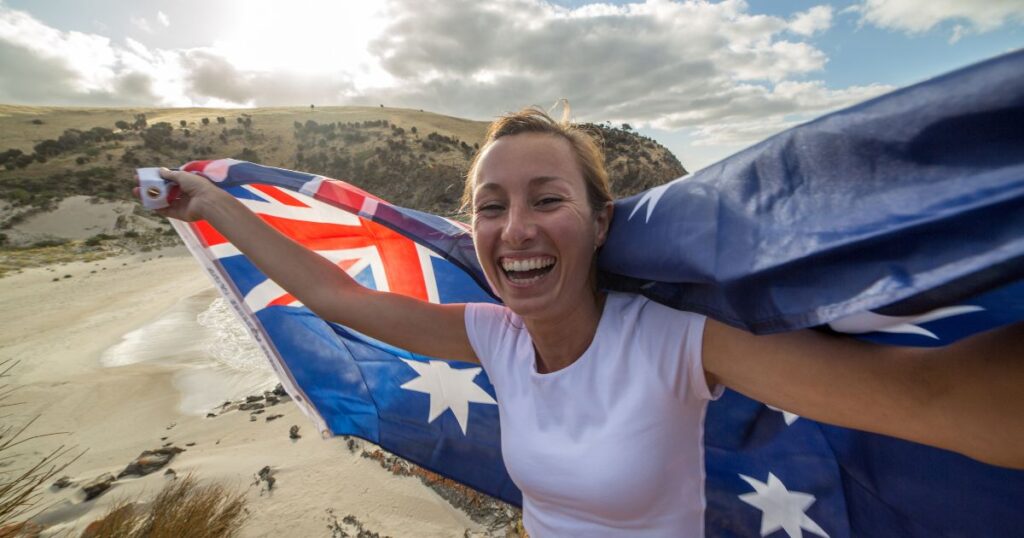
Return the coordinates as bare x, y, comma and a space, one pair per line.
533, 228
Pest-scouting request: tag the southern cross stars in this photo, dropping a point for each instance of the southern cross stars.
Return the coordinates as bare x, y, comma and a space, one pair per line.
449, 388
781, 508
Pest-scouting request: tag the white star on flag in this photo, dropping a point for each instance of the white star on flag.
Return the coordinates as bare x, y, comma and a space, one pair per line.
866, 322
650, 198
790, 418
781, 508
449, 388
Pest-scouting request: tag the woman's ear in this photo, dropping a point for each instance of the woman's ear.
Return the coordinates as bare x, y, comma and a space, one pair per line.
603, 220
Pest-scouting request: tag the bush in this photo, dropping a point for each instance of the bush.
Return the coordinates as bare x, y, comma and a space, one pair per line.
182, 508
183, 123
49, 243
97, 239
121, 124
206, 121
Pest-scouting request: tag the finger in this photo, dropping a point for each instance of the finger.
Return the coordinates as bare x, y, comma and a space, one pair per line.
170, 175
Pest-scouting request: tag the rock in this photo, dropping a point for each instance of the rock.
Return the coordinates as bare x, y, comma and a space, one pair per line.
150, 460
98, 485
163, 438
190, 444
211, 415
279, 390
272, 400
273, 417
170, 474
266, 475
171, 425
293, 432
249, 406
251, 399
252, 418
61, 483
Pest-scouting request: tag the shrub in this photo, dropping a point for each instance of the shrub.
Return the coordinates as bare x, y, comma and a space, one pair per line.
183, 123
121, 124
206, 121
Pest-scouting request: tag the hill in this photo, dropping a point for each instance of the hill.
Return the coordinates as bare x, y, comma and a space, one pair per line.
56, 161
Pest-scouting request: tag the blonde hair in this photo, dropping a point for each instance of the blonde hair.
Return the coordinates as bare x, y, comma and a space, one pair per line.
534, 120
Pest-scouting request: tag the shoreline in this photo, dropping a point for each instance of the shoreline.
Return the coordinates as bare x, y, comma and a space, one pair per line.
59, 330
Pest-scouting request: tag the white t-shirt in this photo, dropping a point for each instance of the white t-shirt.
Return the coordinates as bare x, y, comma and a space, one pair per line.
611, 445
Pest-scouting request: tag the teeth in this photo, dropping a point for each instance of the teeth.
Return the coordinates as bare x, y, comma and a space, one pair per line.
527, 264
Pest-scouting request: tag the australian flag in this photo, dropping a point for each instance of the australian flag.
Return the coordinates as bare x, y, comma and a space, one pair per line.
899, 220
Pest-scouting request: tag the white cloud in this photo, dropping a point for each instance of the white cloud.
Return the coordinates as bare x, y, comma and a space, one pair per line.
162, 17
712, 69
142, 24
814, 20
917, 16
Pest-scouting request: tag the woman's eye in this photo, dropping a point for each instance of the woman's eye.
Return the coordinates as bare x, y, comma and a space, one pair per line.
548, 200
488, 208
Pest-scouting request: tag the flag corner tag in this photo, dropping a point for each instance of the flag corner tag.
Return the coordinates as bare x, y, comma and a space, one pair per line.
153, 189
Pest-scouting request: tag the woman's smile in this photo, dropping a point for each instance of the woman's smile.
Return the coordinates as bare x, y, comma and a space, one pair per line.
526, 271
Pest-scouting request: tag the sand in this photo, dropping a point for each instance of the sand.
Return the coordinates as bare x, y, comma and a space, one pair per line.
92, 362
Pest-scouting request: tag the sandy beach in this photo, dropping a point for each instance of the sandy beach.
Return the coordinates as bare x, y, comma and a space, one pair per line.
130, 353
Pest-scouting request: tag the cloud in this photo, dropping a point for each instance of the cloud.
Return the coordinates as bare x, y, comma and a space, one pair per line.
714, 70
814, 20
142, 24
918, 16
162, 17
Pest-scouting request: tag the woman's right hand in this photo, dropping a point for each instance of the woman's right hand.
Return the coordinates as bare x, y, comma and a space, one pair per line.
195, 196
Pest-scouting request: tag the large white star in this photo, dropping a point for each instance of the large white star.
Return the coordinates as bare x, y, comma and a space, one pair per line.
650, 198
449, 388
781, 508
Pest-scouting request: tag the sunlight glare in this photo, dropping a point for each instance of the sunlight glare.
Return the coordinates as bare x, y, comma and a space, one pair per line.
307, 37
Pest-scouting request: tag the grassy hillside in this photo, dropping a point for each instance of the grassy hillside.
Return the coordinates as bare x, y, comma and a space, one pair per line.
413, 158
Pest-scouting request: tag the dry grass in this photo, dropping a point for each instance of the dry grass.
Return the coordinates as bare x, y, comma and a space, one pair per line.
183, 508
21, 486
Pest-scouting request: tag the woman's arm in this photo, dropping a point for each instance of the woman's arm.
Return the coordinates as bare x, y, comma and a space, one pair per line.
967, 397
418, 326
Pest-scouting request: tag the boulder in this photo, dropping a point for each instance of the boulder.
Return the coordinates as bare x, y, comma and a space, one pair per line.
97, 486
150, 460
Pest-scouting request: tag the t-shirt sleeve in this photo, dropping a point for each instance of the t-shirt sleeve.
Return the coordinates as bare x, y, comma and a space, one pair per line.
677, 340
485, 323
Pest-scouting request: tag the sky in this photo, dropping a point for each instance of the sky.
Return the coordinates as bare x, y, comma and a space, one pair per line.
705, 79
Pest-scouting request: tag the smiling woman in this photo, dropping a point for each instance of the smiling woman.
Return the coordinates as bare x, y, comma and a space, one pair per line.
584, 376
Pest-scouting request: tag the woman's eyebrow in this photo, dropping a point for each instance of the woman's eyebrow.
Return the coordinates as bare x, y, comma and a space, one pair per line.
533, 183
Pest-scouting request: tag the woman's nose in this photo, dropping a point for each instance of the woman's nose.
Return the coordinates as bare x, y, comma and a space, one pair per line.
519, 228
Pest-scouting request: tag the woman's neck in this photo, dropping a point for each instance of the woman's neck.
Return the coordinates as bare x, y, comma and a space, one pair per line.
560, 341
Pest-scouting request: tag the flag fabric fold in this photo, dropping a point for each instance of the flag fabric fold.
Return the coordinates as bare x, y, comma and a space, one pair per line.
900, 220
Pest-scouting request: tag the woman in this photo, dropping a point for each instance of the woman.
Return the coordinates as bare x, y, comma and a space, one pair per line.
585, 379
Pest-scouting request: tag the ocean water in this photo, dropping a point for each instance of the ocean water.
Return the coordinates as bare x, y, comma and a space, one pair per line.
209, 350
